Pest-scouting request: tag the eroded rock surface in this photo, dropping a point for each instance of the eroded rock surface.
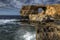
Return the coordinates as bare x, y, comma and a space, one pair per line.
49, 18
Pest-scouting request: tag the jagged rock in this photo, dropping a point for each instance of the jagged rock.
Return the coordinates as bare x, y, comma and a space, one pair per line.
53, 10
48, 28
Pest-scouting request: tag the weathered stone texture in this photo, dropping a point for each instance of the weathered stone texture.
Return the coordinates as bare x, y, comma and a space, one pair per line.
46, 29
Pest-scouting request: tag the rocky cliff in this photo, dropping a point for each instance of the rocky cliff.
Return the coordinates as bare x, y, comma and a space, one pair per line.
47, 21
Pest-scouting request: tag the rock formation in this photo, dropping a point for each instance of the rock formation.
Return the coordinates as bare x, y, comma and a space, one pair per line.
47, 22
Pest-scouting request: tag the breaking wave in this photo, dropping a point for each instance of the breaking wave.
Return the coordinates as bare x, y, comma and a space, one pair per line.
12, 29
4, 21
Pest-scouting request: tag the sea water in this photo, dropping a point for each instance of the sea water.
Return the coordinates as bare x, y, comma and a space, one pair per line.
12, 29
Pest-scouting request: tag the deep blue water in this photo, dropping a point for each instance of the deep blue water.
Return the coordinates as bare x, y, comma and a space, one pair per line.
10, 29
10, 16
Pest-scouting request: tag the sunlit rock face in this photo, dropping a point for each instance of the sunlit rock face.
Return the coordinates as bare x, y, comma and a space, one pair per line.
53, 10
37, 17
50, 11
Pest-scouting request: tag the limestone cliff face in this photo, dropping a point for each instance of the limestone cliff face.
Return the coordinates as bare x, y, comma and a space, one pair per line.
44, 30
37, 17
50, 11
53, 10
34, 15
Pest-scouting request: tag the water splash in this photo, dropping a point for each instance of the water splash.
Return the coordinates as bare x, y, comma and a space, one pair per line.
29, 36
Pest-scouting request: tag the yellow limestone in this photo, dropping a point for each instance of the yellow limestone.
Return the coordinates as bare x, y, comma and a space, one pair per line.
45, 28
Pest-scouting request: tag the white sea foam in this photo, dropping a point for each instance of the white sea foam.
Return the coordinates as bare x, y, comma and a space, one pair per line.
3, 21
29, 36
21, 34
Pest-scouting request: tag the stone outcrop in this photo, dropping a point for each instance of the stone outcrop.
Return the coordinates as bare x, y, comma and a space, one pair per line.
53, 10
49, 18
